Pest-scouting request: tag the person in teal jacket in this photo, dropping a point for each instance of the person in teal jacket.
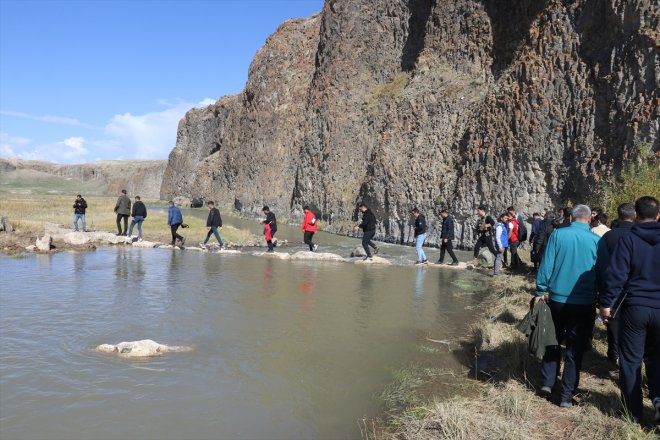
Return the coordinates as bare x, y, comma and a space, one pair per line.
572, 272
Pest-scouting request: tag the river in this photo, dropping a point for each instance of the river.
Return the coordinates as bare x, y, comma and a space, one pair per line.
281, 349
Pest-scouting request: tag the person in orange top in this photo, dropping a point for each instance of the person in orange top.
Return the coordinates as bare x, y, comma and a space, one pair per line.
268, 235
309, 226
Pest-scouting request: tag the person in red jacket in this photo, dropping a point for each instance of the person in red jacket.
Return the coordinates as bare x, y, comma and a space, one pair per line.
268, 235
309, 226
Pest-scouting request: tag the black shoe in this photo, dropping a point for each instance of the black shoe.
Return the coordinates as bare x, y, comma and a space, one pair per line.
454, 263
439, 262
425, 261
368, 257
183, 241
376, 249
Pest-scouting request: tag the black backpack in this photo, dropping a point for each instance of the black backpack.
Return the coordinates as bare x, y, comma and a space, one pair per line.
522, 229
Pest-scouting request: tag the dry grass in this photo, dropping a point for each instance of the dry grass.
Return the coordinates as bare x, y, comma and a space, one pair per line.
505, 405
29, 214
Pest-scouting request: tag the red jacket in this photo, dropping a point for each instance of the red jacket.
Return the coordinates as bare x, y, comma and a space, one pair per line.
268, 235
513, 238
309, 223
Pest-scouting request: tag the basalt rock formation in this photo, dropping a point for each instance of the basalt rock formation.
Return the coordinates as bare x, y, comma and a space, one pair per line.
404, 103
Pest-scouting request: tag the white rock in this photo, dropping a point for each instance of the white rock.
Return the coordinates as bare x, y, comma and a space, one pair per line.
358, 252
375, 260
277, 255
44, 243
143, 348
77, 238
30, 248
144, 244
307, 255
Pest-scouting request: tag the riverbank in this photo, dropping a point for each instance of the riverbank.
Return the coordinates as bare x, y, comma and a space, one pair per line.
495, 396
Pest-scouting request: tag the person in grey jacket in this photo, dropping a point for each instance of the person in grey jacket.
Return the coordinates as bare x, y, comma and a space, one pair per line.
123, 211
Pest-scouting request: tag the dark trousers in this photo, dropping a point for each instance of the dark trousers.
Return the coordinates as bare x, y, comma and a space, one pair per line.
308, 240
484, 240
119, 217
366, 241
175, 236
450, 250
574, 324
613, 339
639, 338
515, 258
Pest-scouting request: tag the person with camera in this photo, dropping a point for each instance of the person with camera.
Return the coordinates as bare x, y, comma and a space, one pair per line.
79, 207
484, 229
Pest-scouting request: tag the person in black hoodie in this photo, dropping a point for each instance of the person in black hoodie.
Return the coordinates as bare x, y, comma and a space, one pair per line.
79, 206
446, 237
420, 235
633, 285
213, 223
272, 222
139, 215
368, 226
624, 223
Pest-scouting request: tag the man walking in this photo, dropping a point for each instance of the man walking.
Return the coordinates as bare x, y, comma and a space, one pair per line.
420, 235
446, 237
485, 227
517, 236
123, 210
271, 221
368, 227
633, 282
175, 220
309, 226
139, 215
501, 242
213, 223
572, 270
79, 207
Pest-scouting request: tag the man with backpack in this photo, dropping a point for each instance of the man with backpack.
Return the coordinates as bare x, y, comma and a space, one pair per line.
484, 229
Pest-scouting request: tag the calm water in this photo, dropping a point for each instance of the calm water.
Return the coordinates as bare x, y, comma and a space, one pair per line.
281, 349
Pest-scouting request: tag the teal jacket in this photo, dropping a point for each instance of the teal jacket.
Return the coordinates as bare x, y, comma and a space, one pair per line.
573, 266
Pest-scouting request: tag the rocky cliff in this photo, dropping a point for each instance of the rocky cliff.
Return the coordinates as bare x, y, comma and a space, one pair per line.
404, 103
104, 177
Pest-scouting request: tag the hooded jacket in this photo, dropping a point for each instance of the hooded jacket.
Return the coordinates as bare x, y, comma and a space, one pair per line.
420, 225
139, 210
612, 236
634, 268
447, 228
368, 221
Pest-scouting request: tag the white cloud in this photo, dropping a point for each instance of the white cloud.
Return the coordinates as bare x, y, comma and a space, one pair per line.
10, 144
70, 150
45, 118
151, 135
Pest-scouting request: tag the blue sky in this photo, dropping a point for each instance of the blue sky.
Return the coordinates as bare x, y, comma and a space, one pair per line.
93, 79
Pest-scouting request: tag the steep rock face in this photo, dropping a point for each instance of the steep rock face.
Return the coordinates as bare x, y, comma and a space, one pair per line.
425, 103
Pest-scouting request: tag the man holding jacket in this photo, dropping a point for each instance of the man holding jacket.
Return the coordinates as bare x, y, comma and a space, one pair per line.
633, 283
175, 220
446, 237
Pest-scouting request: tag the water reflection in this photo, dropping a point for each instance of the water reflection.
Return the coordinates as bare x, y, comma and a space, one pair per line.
418, 293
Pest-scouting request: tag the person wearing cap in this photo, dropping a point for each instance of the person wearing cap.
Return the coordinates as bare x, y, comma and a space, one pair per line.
271, 221
79, 207
175, 220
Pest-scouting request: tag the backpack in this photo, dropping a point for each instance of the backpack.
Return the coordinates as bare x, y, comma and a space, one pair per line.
522, 229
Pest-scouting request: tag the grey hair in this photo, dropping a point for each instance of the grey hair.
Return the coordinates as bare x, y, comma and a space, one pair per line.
581, 212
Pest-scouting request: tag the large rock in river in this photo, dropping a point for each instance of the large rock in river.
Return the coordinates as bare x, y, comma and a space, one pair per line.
143, 348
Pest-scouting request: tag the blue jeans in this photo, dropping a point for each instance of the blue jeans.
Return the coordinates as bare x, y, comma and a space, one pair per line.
498, 262
574, 324
75, 221
639, 338
138, 219
419, 241
213, 230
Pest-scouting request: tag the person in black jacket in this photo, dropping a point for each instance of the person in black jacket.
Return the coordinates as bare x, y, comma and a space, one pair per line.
79, 206
368, 226
624, 223
633, 282
420, 235
272, 222
446, 237
139, 214
213, 223
545, 228
485, 230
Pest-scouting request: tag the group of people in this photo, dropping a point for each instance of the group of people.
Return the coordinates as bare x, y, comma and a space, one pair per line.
618, 272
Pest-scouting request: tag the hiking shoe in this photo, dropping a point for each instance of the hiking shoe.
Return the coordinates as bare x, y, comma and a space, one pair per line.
656, 405
439, 262
454, 263
270, 251
545, 391
316, 246
418, 262
202, 245
75, 230
566, 405
139, 239
376, 249
368, 257
425, 261
183, 241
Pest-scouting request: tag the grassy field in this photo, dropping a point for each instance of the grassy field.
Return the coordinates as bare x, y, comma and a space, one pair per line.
29, 214
32, 183
495, 398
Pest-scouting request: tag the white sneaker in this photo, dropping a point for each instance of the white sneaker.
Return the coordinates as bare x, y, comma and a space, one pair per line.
316, 246
202, 245
139, 239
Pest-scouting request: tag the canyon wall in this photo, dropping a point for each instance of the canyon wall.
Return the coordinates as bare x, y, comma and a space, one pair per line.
430, 103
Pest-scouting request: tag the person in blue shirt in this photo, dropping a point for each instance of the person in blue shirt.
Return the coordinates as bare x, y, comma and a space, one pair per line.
633, 285
572, 271
501, 242
175, 219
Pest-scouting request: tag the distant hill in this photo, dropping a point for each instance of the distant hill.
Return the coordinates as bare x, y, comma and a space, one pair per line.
104, 177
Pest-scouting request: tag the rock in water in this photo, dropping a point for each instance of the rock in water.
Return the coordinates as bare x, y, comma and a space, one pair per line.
358, 252
44, 243
143, 348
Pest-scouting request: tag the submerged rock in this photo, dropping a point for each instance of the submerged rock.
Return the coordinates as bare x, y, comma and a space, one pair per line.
325, 256
375, 260
143, 348
144, 244
276, 255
